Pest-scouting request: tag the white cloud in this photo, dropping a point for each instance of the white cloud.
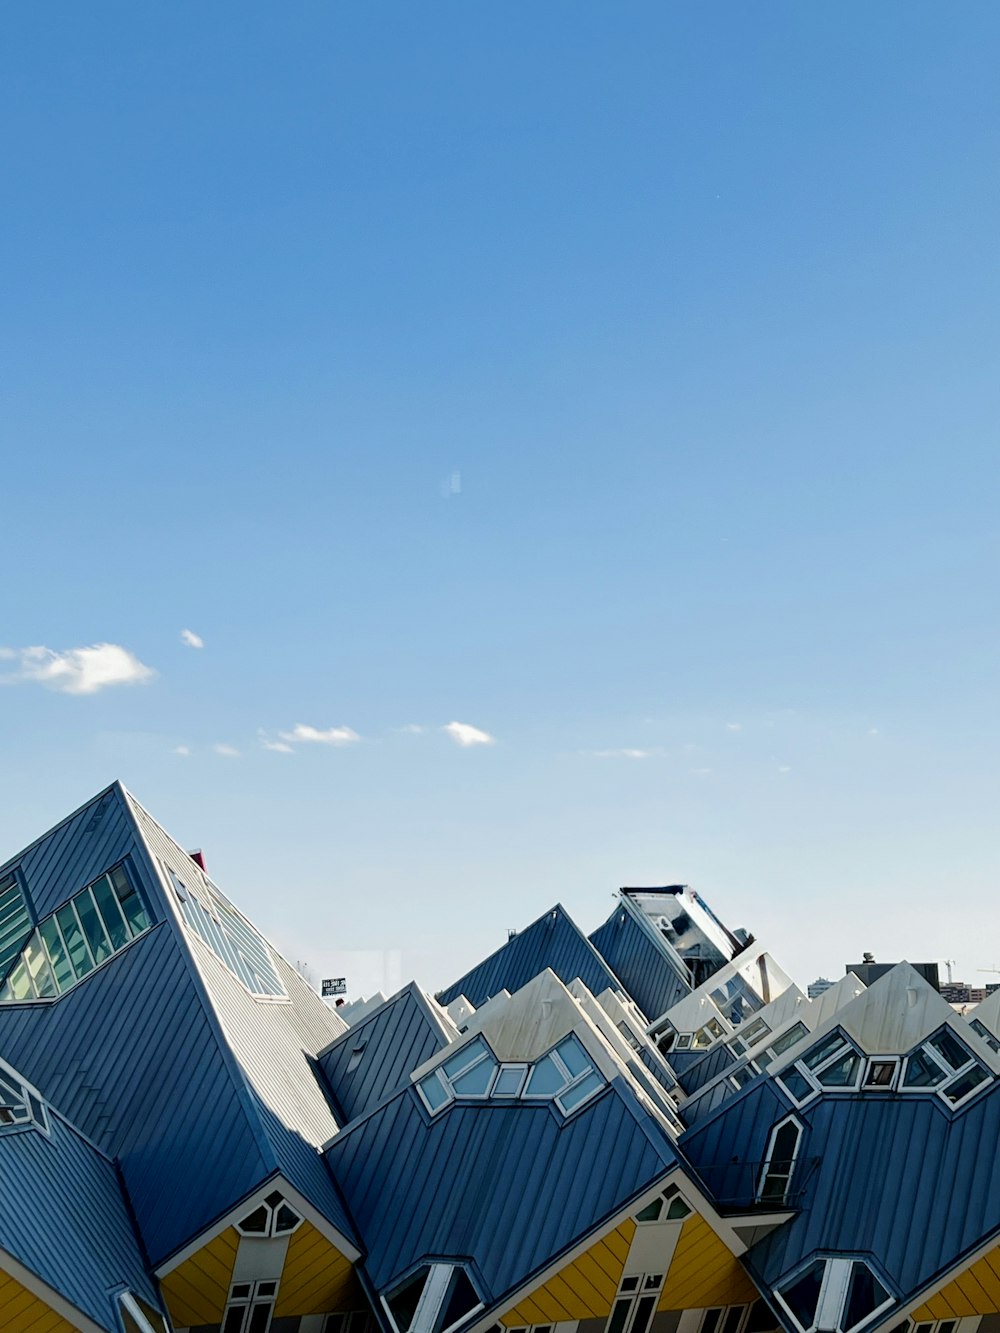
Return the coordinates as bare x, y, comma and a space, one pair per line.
621, 754
412, 729
228, 751
77, 670
304, 735
734, 726
192, 640
784, 768
700, 772
462, 733
182, 750
278, 747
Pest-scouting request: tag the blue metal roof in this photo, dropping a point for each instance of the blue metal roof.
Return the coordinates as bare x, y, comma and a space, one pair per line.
875, 1172
635, 957
375, 1057
65, 1218
554, 941
510, 1186
705, 1067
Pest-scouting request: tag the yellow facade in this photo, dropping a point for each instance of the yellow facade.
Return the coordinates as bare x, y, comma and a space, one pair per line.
703, 1272
584, 1289
24, 1312
196, 1291
316, 1278
974, 1291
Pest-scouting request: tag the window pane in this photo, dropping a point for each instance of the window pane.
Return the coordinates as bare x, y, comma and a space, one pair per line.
733, 1319
711, 1321
795, 1033
20, 982
133, 908
475, 1081
843, 1073
508, 1081
49, 932
573, 1056
459, 1299
864, 1295
587, 1086
677, 1209
111, 915
100, 945
234, 1319
619, 1315
260, 1313
463, 1058
950, 1049
643, 1313
651, 1212
37, 963
256, 1222
922, 1071
402, 1302
545, 1079
802, 1296
76, 944
798, 1086
285, 1220
433, 1091
823, 1050
966, 1083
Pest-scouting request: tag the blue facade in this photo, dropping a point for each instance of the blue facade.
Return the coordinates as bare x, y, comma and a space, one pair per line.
554, 941
628, 948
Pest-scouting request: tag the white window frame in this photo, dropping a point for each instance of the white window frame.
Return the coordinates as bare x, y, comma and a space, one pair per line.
251, 1302
811, 1076
432, 1297
769, 1156
646, 1284
951, 1076
270, 1231
523, 1069
479, 1049
868, 1086
833, 1294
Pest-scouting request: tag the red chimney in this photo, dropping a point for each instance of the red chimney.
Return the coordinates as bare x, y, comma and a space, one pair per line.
198, 857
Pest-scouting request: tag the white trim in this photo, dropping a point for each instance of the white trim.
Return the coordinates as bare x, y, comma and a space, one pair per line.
769, 1157
52, 1298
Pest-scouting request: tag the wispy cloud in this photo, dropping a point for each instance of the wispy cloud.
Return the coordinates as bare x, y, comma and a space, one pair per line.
621, 753
700, 772
412, 729
462, 733
734, 726
301, 734
452, 485
278, 747
228, 751
182, 750
76, 670
192, 640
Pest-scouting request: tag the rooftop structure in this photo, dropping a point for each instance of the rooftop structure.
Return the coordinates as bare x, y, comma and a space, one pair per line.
647, 1129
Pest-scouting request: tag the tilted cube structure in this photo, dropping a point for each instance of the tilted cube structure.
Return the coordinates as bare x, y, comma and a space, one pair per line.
649, 1129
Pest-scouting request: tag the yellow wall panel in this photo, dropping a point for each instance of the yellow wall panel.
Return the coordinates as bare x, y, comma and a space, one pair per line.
976, 1290
316, 1279
704, 1272
24, 1312
197, 1290
584, 1289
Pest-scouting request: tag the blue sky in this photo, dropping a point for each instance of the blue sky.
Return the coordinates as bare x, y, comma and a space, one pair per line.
619, 382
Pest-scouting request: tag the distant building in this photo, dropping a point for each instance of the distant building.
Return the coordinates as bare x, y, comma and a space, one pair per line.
816, 988
957, 992
868, 970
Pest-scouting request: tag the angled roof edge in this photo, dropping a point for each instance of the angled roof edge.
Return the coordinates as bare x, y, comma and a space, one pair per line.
91, 800
40, 1288
411, 988
556, 907
555, 1263
943, 1275
231, 1216
666, 948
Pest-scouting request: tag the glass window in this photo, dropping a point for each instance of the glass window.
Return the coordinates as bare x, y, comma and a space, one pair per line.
781, 1154
433, 1091
864, 1296
950, 1049
802, 1295
93, 928
796, 1085
545, 1079
963, 1086
508, 1080
111, 913
922, 1071
651, 1212
781, 1044
133, 908
986, 1035
460, 1299
823, 1050
15, 921
72, 933
580, 1091
573, 1056
842, 1073
59, 958
474, 1082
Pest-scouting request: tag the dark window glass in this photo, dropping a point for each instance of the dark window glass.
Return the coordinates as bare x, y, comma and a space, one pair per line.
760, 1318
256, 1222
843, 1073
651, 1212
234, 1319
100, 945
823, 1050
950, 1049
285, 1219
114, 922
864, 1294
711, 1321
132, 906
76, 944
966, 1083
260, 1312
403, 1301
60, 960
459, 1299
645, 1307
733, 1319
619, 1315
922, 1071
795, 1033
802, 1296
797, 1085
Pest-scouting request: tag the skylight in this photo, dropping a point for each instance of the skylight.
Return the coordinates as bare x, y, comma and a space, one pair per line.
229, 935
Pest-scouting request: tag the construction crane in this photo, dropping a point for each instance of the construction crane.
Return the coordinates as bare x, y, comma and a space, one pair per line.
949, 964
